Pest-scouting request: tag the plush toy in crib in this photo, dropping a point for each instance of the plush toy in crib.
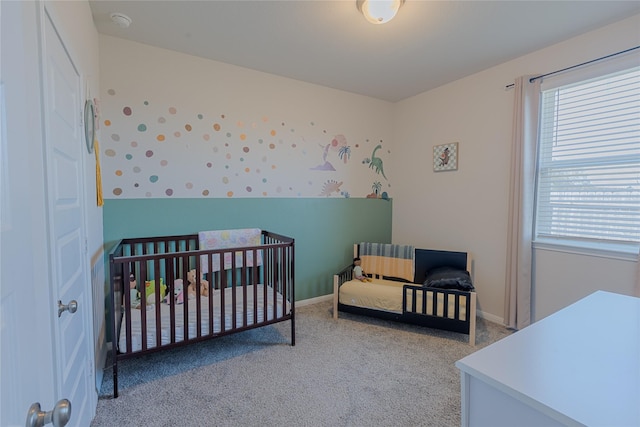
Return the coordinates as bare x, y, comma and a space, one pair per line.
150, 290
191, 289
178, 293
133, 289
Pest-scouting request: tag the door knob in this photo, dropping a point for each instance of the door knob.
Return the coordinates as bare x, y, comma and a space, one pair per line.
59, 416
71, 307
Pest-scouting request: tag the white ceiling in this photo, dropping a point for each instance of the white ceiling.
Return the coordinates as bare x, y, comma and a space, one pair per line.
329, 43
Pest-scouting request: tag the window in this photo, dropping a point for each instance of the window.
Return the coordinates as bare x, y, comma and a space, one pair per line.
588, 176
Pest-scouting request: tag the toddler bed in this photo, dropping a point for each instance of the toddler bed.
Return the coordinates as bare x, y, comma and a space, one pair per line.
431, 288
184, 289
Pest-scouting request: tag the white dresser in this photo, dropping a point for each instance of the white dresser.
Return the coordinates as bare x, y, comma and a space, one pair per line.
578, 367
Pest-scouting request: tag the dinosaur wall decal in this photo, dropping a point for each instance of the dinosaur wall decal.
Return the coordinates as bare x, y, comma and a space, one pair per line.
376, 162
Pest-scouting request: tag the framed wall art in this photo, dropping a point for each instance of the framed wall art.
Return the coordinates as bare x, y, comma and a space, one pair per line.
445, 157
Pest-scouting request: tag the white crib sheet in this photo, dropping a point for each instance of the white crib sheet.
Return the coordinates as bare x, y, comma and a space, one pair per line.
136, 317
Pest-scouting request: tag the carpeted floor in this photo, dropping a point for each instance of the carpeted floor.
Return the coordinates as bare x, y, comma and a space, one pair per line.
356, 371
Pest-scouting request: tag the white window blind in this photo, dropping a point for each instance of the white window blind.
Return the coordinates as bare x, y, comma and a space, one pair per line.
588, 178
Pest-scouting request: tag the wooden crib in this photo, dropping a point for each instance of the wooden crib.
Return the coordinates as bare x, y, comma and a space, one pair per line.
168, 292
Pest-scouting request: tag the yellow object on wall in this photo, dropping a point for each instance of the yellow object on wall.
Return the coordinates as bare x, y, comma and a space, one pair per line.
99, 199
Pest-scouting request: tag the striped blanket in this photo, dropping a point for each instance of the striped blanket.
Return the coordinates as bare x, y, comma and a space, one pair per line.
388, 260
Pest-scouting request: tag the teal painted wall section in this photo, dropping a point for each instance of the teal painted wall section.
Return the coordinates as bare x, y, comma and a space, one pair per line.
324, 229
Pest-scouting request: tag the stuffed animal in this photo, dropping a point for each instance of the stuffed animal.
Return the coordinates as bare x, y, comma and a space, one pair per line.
150, 290
133, 289
178, 294
191, 289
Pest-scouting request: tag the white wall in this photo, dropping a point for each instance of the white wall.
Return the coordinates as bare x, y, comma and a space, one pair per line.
467, 209
179, 126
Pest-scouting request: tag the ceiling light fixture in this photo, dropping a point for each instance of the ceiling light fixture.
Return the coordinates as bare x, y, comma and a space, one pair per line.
120, 19
379, 11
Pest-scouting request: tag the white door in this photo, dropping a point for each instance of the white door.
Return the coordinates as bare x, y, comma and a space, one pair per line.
43, 358
23, 320
64, 138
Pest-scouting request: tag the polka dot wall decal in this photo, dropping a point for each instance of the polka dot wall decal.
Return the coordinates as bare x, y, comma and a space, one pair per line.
222, 116
205, 192
228, 134
149, 153
107, 122
273, 132
134, 144
264, 180
216, 127
228, 156
294, 145
278, 189
117, 191
162, 120
200, 116
160, 138
136, 169
242, 159
118, 172
205, 137
115, 137
248, 189
172, 110
225, 180
164, 163
265, 119
282, 124
142, 127
109, 153
189, 185
272, 146
247, 170
229, 193
111, 92
146, 102
209, 164
136, 185
153, 178
187, 127
177, 134
126, 111
168, 192
260, 141
240, 124
243, 136
147, 194
245, 149
128, 157
215, 149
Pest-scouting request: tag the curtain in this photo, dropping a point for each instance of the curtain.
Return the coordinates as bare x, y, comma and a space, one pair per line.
638, 275
521, 203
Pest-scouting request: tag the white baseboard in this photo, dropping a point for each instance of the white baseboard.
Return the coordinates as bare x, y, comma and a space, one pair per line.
315, 300
490, 317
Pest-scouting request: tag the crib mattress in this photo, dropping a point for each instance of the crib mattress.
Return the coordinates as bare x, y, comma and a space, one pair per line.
262, 314
386, 295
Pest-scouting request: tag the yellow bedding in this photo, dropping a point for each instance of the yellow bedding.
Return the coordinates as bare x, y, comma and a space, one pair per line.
386, 295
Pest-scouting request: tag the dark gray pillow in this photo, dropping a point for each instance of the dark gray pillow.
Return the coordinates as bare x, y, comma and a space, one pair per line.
448, 278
